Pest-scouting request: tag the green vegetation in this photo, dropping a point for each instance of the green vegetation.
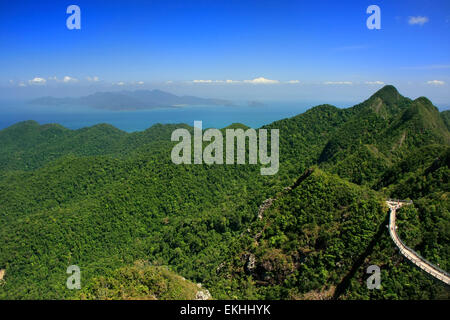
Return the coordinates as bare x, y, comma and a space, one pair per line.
101, 198
140, 281
309, 238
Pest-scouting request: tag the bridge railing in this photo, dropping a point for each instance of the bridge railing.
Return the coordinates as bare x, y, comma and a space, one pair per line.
405, 253
421, 258
399, 200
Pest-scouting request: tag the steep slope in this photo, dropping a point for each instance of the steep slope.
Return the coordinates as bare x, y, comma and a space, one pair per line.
142, 281
363, 166
308, 240
317, 239
381, 131
303, 137
424, 176
446, 117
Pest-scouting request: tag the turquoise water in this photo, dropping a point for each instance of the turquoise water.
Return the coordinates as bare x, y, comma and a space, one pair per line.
212, 116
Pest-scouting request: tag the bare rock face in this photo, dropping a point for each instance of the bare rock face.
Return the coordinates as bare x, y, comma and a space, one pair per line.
220, 267
271, 268
250, 264
264, 206
203, 295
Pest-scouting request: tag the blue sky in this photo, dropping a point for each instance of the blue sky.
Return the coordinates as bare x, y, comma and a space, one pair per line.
295, 49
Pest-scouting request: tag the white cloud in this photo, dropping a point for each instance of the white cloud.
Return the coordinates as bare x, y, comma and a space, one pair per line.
293, 81
22, 84
93, 79
67, 79
137, 83
436, 82
374, 82
261, 80
121, 83
418, 20
338, 82
37, 81
202, 81
11, 81
211, 81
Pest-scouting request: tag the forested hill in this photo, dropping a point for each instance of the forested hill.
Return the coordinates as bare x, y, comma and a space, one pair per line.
102, 199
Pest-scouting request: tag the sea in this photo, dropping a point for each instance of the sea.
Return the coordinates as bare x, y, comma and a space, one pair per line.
75, 117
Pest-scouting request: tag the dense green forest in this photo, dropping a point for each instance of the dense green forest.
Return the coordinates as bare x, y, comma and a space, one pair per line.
142, 281
136, 224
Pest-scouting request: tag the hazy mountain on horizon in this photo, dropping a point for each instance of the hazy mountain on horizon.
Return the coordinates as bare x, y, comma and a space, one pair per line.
129, 100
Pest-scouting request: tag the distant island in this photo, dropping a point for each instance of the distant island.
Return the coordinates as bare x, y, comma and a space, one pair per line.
130, 100
255, 103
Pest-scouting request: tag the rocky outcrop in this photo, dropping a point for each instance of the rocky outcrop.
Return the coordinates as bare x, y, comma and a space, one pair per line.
264, 206
202, 294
